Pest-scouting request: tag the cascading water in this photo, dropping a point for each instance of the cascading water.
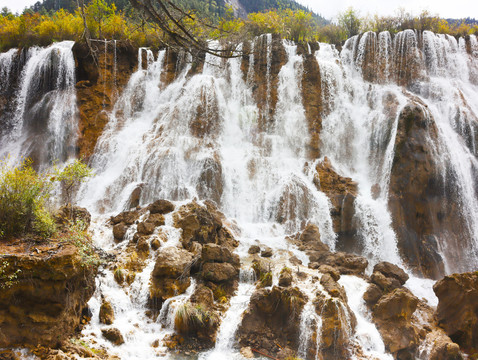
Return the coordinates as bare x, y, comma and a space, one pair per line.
44, 124
203, 136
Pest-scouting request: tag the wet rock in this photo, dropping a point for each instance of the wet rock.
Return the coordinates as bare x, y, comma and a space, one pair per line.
295, 261
155, 244
247, 352
161, 207
327, 269
135, 196
219, 272
267, 252
441, 347
385, 283
254, 249
372, 294
202, 224
342, 192
347, 264
273, 317
142, 245
457, 310
422, 207
392, 315
107, 315
217, 253
391, 271
113, 335
332, 287
400, 303
334, 340
170, 275
119, 231
285, 278
127, 217
156, 219
310, 238
145, 228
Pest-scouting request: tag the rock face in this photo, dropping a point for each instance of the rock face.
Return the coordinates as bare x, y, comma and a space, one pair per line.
98, 87
421, 206
43, 293
457, 310
341, 192
272, 319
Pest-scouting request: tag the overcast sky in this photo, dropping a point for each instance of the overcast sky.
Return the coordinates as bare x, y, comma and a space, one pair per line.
444, 8
330, 8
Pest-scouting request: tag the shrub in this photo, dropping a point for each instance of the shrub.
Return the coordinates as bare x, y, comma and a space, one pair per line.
23, 197
71, 176
190, 318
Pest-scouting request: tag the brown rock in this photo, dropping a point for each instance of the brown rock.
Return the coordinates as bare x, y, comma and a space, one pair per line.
385, 283
372, 294
161, 207
146, 228
254, 249
107, 315
217, 253
267, 252
43, 303
113, 335
457, 310
442, 347
142, 246
219, 272
273, 317
347, 264
285, 278
391, 271
400, 303
332, 287
119, 231
327, 269
202, 224
128, 217
334, 340
155, 244
156, 219
310, 237
172, 263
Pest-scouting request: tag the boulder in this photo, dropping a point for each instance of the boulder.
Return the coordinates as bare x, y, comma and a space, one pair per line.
156, 219
392, 314
107, 315
119, 231
442, 347
457, 310
145, 228
161, 207
170, 275
155, 244
217, 253
327, 269
372, 294
266, 252
127, 217
113, 335
273, 317
333, 288
69, 213
285, 277
254, 249
385, 283
202, 224
391, 271
219, 272
347, 264
400, 303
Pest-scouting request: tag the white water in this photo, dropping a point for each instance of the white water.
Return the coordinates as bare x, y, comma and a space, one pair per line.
45, 123
200, 137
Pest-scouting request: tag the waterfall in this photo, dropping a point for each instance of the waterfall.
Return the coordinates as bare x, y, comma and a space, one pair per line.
44, 124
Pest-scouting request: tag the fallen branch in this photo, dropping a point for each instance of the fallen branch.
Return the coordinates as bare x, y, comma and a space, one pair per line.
263, 354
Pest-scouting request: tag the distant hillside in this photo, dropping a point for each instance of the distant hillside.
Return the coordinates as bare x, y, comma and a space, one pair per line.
213, 9
468, 21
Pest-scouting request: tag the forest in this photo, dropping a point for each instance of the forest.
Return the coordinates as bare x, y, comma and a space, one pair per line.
56, 20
